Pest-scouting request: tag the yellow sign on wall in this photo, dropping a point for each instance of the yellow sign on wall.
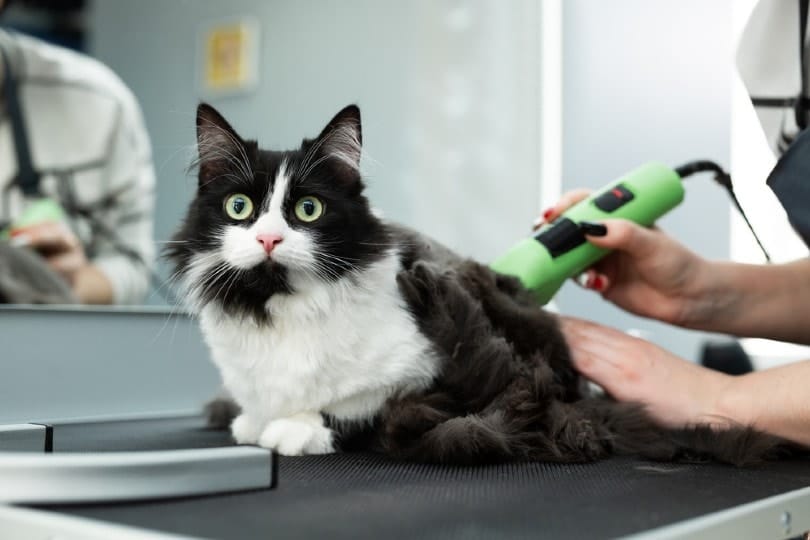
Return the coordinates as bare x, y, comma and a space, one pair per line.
230, 56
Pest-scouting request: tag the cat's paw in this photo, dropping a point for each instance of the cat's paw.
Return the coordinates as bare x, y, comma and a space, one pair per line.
298, 435
246, 430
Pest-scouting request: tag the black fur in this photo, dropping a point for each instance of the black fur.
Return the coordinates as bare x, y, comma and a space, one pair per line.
508, 391
506, 388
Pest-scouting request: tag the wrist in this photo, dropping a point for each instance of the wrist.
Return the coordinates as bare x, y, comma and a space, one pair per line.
91, 286
732, 404
706, 296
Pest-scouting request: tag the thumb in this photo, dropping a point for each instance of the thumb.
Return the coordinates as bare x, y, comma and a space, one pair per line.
626, 236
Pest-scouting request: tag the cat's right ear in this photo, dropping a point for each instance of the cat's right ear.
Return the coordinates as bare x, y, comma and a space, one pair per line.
220, 149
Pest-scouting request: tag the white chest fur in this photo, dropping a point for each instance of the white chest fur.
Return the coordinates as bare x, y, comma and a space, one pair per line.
341, 348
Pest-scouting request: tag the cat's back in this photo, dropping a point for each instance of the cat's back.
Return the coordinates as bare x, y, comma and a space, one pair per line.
415, 246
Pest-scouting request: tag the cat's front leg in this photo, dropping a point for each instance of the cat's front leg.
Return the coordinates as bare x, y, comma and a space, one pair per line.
246, 429
302, 433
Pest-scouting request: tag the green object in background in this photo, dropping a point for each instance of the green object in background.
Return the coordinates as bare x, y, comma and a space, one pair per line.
559, 250
37, 211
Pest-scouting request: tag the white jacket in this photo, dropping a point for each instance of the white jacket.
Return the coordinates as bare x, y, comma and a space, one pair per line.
769, 64
88, 141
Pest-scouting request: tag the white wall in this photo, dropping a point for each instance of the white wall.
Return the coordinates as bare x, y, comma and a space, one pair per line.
649, 81
449, 92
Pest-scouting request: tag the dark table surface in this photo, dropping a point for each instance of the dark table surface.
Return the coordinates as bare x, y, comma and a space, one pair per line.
365, 495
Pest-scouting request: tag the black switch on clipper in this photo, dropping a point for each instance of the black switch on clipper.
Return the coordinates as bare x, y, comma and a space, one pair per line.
563, 236
613, 198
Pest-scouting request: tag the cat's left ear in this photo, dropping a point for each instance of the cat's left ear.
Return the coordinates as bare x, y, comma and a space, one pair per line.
219, 147
342, 139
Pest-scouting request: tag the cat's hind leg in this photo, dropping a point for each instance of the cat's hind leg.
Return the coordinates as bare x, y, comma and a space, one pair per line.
221, 411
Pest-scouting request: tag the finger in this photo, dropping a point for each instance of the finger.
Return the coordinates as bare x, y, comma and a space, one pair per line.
624, 235
567, 200
607, 343
66, 263
585, 279
591, 353
593, 280
50, 236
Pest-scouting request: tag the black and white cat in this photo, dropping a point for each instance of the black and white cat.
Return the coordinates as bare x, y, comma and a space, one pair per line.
334, 328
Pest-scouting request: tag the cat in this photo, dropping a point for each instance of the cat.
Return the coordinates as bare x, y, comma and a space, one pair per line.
334, 328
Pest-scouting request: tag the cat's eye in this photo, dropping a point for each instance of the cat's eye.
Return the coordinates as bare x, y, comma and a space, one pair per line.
308, 209
238, 206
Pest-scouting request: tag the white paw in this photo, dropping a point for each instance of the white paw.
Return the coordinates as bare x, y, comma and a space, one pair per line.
245, 430
298, 435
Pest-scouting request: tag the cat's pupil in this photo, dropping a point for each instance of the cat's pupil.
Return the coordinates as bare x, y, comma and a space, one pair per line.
308, 207
238, 205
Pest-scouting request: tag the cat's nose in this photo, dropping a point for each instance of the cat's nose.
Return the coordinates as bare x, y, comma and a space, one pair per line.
269, 241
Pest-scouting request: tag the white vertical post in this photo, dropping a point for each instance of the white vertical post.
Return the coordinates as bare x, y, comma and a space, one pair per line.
551, 121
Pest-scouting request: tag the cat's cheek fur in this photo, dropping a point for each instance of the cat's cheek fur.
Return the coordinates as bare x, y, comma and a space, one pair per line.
240, 249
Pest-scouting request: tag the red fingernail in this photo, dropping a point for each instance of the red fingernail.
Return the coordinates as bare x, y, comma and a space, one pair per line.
547, 213
599, 283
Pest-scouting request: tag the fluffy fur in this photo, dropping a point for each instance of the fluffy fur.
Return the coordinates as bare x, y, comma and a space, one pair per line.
353, 332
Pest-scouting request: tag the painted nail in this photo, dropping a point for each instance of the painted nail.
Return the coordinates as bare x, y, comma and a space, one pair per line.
593, 229
547, 213
599, 283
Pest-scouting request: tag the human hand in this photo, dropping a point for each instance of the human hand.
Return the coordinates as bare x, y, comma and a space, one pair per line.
675, 392
57, 244
648, 273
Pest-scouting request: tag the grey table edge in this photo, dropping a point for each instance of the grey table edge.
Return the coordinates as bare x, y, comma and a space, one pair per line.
781, 516
131, 476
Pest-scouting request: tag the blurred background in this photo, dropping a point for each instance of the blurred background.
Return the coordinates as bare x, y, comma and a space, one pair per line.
477, 114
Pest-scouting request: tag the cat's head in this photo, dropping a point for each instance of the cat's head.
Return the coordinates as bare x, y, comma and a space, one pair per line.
265, 222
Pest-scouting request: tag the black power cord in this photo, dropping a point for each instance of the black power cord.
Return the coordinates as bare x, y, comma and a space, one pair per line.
724, 179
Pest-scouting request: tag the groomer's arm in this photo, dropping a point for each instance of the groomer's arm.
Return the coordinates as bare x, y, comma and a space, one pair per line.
680, 393
773, 400
770, 301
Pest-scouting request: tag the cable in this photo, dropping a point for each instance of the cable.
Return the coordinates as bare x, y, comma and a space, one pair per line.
724, 179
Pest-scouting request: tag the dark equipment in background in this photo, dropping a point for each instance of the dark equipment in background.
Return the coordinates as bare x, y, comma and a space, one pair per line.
61, 22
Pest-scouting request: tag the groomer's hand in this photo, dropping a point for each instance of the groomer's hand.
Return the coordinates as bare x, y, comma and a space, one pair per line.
674, 391
648, 273
57, 244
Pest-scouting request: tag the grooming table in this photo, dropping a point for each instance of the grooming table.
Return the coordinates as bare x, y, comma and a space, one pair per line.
165, 474
368, 496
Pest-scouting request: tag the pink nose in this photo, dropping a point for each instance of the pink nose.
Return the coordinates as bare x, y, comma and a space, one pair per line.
269, 241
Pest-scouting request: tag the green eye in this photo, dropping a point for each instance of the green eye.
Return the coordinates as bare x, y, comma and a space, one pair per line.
308, 209
238, 206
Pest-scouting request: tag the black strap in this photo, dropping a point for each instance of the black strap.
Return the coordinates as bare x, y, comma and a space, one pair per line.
27, 176
801, 106
800, 103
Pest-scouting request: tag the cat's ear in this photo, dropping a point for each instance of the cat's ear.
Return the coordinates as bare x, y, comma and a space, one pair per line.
219, 147
342, 139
